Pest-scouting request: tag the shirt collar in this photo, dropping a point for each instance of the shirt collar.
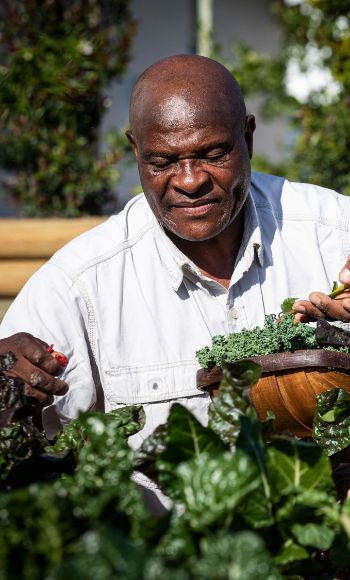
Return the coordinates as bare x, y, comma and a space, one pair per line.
179, 265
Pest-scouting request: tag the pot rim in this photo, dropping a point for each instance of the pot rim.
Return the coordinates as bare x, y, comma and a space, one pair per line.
299, 359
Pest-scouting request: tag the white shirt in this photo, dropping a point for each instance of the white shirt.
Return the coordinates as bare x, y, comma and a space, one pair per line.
130, 310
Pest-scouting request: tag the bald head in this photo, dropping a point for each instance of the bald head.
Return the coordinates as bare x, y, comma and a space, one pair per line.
185, 87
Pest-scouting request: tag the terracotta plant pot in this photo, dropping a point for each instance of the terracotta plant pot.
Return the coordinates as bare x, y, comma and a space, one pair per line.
289, 385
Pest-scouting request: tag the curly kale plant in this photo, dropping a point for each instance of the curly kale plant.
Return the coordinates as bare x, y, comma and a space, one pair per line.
282, 335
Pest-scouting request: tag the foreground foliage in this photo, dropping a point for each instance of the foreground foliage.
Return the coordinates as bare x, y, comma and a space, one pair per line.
243, 506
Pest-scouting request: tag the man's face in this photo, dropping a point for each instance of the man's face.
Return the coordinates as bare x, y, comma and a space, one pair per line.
194, 168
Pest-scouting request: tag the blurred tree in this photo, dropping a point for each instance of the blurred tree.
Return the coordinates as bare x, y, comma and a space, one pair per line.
56, 56
309, 84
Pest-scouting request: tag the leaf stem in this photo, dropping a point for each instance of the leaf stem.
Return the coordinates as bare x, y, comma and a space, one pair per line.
339, 290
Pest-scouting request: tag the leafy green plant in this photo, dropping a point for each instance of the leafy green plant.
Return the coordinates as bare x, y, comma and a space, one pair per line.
313, 33
332, 420
277, 335
243, 505
56, 59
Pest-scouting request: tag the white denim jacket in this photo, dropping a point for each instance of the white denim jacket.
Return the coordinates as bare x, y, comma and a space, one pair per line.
130, 310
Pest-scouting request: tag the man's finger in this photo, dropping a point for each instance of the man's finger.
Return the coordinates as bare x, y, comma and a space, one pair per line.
37, 398
306, 311
36, 351
38, 379
321, 306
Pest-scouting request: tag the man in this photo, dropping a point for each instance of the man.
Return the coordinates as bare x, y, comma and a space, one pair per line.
206, 250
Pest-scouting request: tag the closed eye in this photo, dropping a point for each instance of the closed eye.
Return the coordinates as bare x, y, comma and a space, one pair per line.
217, 157
161, 164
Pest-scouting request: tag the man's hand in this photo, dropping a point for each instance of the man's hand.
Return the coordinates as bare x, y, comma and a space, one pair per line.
35, 366
322, 306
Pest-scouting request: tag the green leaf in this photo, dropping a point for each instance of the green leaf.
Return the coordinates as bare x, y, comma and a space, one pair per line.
314, 535
232, 401
152, 447
256, 510
100, 553
186, 438
30, 525
287, 304
309, 508
290, 552
340, 551
91, 425
331, 428
172, 556
211, 488
296, 465
239, 556
181, 439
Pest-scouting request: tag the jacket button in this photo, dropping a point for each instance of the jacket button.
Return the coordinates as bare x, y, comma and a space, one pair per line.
234, 313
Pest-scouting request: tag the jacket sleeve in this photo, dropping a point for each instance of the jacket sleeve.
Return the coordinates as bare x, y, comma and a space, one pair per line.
51, 307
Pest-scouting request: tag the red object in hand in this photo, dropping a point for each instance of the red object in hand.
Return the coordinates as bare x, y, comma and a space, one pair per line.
62, 359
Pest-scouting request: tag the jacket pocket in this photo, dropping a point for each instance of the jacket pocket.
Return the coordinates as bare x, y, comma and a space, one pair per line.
130, 385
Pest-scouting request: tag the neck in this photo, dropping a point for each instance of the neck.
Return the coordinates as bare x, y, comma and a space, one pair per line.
215, 257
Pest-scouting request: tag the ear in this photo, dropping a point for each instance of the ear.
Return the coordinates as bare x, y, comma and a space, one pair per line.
248, 133
132, 142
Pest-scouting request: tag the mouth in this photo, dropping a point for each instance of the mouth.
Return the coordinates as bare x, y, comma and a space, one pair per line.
199, 207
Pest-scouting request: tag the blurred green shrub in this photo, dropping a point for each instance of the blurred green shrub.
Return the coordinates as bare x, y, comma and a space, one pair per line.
315, 43
56, 56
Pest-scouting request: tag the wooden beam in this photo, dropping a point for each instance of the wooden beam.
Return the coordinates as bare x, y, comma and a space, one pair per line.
14, 274
40, 238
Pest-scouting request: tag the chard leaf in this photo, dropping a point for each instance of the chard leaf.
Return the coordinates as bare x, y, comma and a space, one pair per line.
30, 525
314, 535
212, 487
101, 553
331, 429
315, 511
151, 448
90, 425
236, 556
232, 401
305, 505
340, 551
186, 437
250, 440
289, 553
181, 439
294, 465
102, 483
257, 509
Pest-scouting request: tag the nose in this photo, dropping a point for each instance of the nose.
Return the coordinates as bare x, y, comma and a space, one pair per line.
190, 178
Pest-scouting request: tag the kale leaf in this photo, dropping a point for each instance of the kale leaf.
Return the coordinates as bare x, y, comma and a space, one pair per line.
280, 335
